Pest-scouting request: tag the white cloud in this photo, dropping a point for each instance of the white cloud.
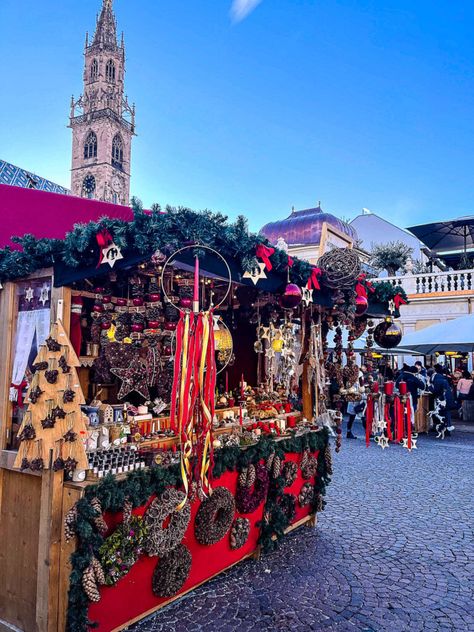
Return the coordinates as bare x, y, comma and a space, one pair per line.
241, 8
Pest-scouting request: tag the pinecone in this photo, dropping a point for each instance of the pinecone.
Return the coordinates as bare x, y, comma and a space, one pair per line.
276, 467
247, 476
89, 583
304, 460
98, 571
328, 460
70, 523
99, 520
127, 511
269, 462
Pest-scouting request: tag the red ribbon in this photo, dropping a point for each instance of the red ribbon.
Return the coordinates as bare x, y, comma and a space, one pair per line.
388, 421
290, 261
361, 290
264, 253
399, 414
313, 281
399, 300
19, 389
409, 423
104, 239
369, 418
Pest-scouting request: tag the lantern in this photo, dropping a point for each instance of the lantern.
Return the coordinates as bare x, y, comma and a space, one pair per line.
222, 338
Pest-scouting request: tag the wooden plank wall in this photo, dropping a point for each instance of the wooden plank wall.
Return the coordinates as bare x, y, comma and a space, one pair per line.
19, 538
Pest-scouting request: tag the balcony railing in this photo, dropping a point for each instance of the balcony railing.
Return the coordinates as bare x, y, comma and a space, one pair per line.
434, 282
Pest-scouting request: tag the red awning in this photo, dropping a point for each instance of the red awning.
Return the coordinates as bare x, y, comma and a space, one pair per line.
45, 214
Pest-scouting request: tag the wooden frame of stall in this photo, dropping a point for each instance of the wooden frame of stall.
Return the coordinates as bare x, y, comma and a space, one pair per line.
34, 555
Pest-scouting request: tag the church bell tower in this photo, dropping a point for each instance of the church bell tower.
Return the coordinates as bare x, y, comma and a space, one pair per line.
102, 121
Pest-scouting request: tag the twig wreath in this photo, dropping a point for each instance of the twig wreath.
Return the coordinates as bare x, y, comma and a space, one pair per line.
214, 516
239, 533
246, 500
161, 540
171, 572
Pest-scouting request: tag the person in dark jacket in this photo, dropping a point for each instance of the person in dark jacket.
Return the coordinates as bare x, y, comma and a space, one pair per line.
442, 390
409, 375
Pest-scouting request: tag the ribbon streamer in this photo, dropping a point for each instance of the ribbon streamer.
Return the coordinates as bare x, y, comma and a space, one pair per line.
369, 419
104, 239
264, 253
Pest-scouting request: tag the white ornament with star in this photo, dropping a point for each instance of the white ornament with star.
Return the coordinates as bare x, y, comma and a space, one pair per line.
256, 275
307, 296
29, 294
111, 254
382, 441
44, 294
405, 444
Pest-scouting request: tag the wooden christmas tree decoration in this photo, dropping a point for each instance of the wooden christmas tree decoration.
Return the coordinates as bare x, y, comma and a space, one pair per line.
53, 431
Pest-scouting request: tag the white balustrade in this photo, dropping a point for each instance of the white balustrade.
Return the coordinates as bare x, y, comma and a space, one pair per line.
430, 282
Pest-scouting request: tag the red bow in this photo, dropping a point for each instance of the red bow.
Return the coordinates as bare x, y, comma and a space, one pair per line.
19, 389
361, 290
399, 300
104, 239
290, 261
265, 252
313, 281
363, 285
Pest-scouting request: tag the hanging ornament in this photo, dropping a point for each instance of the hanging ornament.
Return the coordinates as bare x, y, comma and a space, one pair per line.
44, 294
256, 274
291, 297
29, 294
362, 305
111, 254
387, 334
307, 295
134, 378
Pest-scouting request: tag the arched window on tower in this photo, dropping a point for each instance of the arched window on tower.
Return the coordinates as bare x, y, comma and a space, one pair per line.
117, 152
94, 70
110, 70
90, 146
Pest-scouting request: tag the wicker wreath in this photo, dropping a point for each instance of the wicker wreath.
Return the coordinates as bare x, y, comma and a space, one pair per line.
290, 472
246, 500
161, 540
171, 572
341, 267
239, 533
306, 495
214, 516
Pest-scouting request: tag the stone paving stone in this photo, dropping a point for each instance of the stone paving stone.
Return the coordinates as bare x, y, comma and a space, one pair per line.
393, 552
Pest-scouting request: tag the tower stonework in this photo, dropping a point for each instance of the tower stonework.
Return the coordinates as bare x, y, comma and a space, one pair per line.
102, 121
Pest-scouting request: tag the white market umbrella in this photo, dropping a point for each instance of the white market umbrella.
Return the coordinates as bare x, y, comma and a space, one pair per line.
453, 335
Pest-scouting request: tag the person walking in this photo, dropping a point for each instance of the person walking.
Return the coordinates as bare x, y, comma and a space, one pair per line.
409, 374
441, 389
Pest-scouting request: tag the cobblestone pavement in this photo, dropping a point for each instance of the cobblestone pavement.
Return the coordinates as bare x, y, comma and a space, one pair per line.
392, 551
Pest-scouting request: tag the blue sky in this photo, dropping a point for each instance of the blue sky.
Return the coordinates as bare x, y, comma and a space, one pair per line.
357, 103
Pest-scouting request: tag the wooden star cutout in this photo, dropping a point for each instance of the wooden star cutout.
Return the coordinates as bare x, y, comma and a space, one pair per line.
405, 444
215, 321
29, 294
382, 441
307, 295
381, 425
256, 275
263, 333
111, 254
134, 378
44, 294
270, 354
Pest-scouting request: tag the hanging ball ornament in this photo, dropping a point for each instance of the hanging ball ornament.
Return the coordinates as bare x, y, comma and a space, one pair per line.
291, 297
387, 334
362, 305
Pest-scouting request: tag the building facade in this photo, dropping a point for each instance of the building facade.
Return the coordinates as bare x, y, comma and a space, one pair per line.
102, 121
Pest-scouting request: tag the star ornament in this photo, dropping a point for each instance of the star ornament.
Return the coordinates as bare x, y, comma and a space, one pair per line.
44, 294
307, 296
381, 425
382, 441
29, 294
134, 378
405, 444
111, 254
256, 275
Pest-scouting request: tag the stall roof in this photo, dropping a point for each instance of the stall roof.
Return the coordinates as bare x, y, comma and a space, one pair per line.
453, 335
51, 215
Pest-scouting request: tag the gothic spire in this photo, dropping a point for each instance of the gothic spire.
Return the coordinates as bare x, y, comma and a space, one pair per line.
106, 29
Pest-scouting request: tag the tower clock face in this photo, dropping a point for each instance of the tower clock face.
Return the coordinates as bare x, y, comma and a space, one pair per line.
116, 184
88, 184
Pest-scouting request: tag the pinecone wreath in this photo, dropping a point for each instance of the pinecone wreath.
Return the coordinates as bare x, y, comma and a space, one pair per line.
290, 472
239, 533
92, 578
310, 468
70, 523
99, 521
306, 495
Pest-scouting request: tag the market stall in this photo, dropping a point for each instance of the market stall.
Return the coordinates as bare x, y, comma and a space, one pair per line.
166, 408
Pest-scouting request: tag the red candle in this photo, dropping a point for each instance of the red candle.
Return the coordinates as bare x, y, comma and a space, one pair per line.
196, 286
291, 421
402, 388
375, 387
241, 416
287, 407
242, 387
388, 388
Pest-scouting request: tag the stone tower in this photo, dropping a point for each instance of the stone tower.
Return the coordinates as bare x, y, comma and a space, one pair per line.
101, 120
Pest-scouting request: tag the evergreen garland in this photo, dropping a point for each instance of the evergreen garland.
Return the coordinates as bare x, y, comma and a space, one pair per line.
138, 487
146, 233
